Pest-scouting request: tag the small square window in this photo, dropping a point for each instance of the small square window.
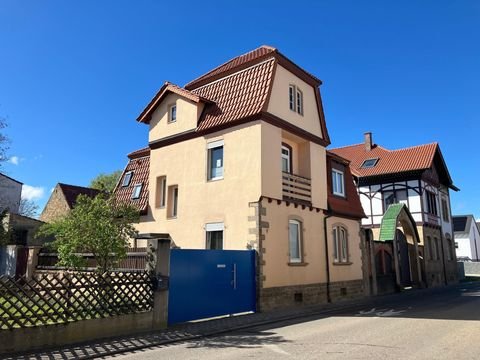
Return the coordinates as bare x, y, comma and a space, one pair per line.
127, 178
172, 113
369, 163
137, 189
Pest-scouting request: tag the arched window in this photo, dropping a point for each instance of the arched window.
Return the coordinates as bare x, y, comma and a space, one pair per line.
294, 241
340, 244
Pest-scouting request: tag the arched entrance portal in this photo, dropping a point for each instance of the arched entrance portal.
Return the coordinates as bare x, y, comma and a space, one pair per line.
399, 237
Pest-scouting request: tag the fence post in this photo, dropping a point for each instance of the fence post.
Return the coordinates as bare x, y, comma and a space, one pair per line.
161, 273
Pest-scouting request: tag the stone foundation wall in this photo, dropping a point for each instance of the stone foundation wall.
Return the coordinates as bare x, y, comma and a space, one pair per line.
311, 294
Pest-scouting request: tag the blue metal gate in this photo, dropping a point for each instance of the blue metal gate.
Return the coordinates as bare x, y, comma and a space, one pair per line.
208, 283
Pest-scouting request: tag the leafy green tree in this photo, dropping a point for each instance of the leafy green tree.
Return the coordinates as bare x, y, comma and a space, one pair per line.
106, 182
96, 226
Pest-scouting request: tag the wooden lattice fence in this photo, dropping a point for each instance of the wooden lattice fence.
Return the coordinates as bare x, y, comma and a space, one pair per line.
135, 260
62, 297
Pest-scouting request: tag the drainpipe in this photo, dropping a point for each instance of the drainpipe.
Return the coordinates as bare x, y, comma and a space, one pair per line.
327, 258
475, 242
443, 258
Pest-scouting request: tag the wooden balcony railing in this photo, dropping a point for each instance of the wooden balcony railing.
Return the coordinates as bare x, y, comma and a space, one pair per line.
296, 187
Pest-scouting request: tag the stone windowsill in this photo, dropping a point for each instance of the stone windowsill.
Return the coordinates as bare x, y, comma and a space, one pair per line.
297, 264
343, 263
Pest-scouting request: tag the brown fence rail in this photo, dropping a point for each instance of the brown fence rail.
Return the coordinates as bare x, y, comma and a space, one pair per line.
136, 260
62, 297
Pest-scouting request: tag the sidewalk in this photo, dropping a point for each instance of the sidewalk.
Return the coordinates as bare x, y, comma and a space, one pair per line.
195, 330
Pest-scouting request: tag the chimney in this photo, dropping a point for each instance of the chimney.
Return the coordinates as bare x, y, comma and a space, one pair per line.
368, 141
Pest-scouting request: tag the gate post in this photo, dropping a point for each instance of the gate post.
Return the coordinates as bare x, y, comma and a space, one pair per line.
160, 268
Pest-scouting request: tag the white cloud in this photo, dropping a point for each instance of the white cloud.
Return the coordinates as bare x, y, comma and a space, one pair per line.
14, 160
32, 192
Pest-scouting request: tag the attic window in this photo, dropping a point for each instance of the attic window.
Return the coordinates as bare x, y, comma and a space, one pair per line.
127, 178
369, 163
136, 191
172, 113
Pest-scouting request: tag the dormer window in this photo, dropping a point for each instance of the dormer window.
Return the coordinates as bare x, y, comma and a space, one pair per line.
172, 113
295, 99
369, 163
338, 183
137, 189
127, 178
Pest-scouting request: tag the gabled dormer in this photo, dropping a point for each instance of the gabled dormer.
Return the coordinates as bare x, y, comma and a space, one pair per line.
172, 111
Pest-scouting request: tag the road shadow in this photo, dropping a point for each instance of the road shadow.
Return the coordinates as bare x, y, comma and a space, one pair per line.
459, 302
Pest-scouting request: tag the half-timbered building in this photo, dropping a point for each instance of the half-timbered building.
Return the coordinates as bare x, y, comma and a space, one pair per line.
419, 178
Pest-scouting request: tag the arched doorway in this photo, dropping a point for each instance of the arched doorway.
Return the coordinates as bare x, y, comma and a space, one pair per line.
398, 232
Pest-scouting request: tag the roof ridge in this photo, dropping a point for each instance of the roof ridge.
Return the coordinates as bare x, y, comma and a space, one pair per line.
211, 73
78, 186
345, 146
415, 146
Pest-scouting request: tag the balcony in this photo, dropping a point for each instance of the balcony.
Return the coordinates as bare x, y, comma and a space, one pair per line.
296, 188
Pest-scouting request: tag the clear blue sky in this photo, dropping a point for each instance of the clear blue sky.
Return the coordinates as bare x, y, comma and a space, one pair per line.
75, 74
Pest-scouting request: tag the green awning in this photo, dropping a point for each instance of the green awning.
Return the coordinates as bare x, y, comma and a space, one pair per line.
389, 222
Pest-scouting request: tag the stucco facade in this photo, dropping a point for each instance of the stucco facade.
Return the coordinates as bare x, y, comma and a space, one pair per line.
265, 118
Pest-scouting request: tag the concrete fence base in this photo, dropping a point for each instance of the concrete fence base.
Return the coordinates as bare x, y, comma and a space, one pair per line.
41, 337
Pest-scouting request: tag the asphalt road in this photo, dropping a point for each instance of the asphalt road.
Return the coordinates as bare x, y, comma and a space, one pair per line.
439, 325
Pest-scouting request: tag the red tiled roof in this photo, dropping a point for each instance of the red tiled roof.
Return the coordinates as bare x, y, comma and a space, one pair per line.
71, 193
350, 205
139, 153
238, 96
389, 161
233, 64
140, 166
238, 91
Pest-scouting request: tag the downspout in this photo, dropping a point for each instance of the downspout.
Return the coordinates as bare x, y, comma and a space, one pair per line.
443, 258
327, 258
475, 242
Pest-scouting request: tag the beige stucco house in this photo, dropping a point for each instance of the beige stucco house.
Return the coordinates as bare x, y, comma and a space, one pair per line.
237, 159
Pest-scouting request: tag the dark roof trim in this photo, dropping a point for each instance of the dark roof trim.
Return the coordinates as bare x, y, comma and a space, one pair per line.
282, 60
267, 117
8, 177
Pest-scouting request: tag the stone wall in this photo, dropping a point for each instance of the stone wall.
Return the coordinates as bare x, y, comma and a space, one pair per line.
311, 294
56, 206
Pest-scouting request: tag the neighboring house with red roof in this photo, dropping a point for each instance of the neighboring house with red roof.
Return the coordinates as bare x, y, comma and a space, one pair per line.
237, 159
419, 178
63, 199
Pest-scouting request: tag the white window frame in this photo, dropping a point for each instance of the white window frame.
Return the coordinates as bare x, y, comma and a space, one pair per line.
341, 174
128, 175
134, 192
292, 259
171, 118
214, 227
299, 101
161, 199
340, 244
211, 146
292, 101
288, 158
172, 211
